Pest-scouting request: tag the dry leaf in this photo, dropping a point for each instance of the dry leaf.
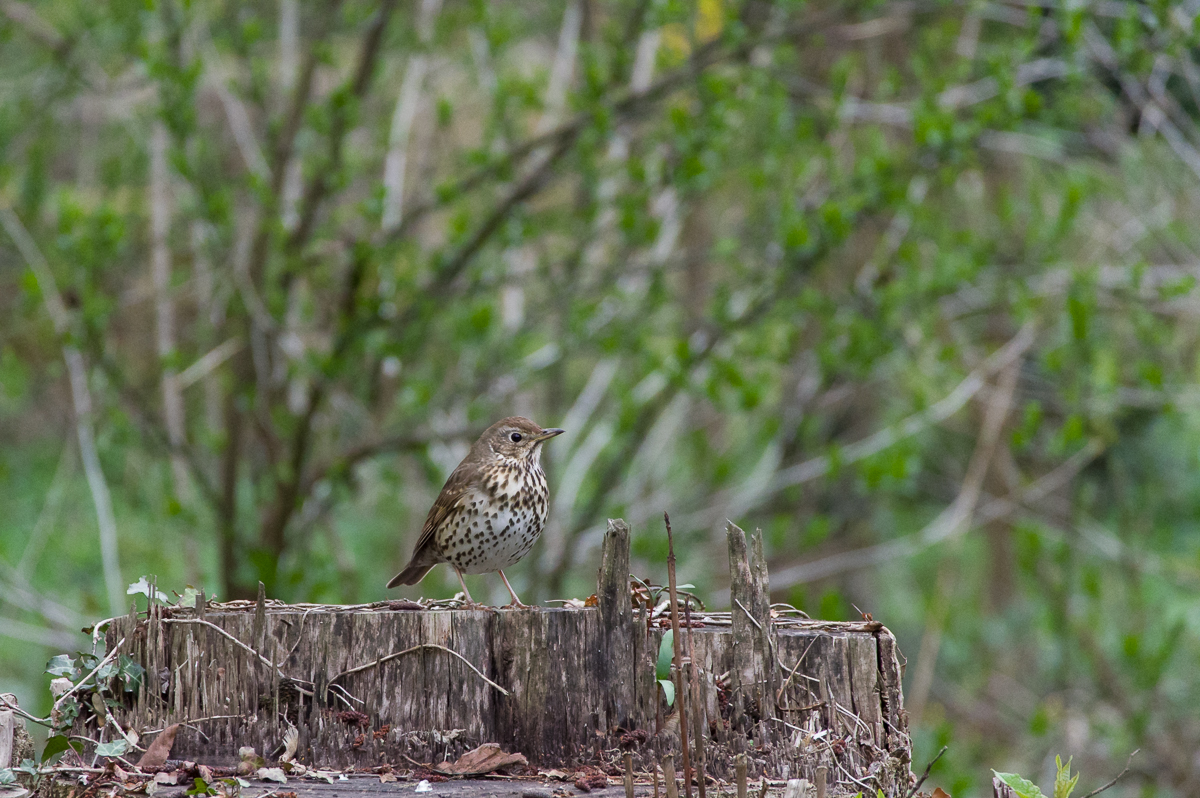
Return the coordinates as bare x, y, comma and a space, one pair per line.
938, 792
291, 740
168, 777
385, 778
272, 774
487, 758
156, 755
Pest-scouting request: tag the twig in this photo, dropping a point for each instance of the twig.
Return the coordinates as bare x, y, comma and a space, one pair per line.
1116, 778
245, 647
107, 658
757, 625
418, 647
193, 720
81, 398
4, 702
680, 703
929, 767
783, 687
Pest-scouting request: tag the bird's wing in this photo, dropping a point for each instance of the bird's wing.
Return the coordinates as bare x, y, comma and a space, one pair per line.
454, 493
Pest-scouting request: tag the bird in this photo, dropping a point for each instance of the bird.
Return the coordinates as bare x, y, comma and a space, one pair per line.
491, 509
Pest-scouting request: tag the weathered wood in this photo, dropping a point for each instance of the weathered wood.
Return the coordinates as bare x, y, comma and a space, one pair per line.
616, 615
396, 682
753, 663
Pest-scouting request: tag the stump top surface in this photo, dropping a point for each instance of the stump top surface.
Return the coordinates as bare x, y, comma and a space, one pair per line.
784, 619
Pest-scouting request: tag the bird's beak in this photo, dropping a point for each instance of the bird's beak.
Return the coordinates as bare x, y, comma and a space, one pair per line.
546, 434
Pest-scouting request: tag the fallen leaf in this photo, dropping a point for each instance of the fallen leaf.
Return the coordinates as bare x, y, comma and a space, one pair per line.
938, 792
325, 775
555, 774
385, 778
205, 773
272, 774
291, 740
487, 758
591, 601
596, 781
156, 755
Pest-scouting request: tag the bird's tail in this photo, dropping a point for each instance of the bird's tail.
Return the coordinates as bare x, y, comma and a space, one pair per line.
409, 576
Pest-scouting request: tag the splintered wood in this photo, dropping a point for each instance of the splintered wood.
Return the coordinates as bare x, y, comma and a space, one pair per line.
403, 682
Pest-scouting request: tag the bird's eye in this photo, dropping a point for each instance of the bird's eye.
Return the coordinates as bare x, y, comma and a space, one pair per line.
515, 437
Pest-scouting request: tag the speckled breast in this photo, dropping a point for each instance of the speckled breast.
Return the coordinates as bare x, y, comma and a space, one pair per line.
497, 525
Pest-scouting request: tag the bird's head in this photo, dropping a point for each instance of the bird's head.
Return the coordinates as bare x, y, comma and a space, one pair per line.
517, 438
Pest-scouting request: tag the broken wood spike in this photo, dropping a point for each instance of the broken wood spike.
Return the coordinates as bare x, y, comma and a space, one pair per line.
668, 766
680, 684
628, 775
741, 776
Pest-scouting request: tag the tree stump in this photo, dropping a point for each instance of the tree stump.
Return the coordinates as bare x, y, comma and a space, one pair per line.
402, 682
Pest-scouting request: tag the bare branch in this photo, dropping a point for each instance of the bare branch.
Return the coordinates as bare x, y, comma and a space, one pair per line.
81, 397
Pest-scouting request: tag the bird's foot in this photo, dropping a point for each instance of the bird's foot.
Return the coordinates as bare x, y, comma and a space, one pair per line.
518, 605
468, 604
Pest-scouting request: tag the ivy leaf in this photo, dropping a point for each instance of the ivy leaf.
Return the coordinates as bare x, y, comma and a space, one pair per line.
142, 588
666, 652
188, 598
7, 776
131, 674
60, 665
112, 748
668, 688
200, 787
56, 744
1023, 787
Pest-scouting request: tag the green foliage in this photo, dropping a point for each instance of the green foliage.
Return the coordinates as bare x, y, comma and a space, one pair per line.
769, 290
1064, 783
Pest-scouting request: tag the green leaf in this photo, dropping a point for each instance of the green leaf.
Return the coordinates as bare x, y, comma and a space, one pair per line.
131, 674
666, 652
113, 748
7, 776
1024, 788
668, 688
61, 665
188, 599
1063, 781
200, 787
56, 744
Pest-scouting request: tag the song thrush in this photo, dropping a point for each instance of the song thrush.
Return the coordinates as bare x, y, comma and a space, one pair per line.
491, 509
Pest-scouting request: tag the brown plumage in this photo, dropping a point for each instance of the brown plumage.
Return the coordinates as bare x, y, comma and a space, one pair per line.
491, 509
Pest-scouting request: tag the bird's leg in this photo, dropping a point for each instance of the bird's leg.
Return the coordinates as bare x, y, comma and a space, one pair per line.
461, 581
516, 602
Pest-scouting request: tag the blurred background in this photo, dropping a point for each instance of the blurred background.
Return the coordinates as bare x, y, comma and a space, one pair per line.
909, 285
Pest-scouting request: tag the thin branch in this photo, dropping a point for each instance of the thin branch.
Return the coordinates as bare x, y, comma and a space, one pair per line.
242, 646
164, 307
398, 654
936, 531
107, 659
925, 775
81, 397
1116, 778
